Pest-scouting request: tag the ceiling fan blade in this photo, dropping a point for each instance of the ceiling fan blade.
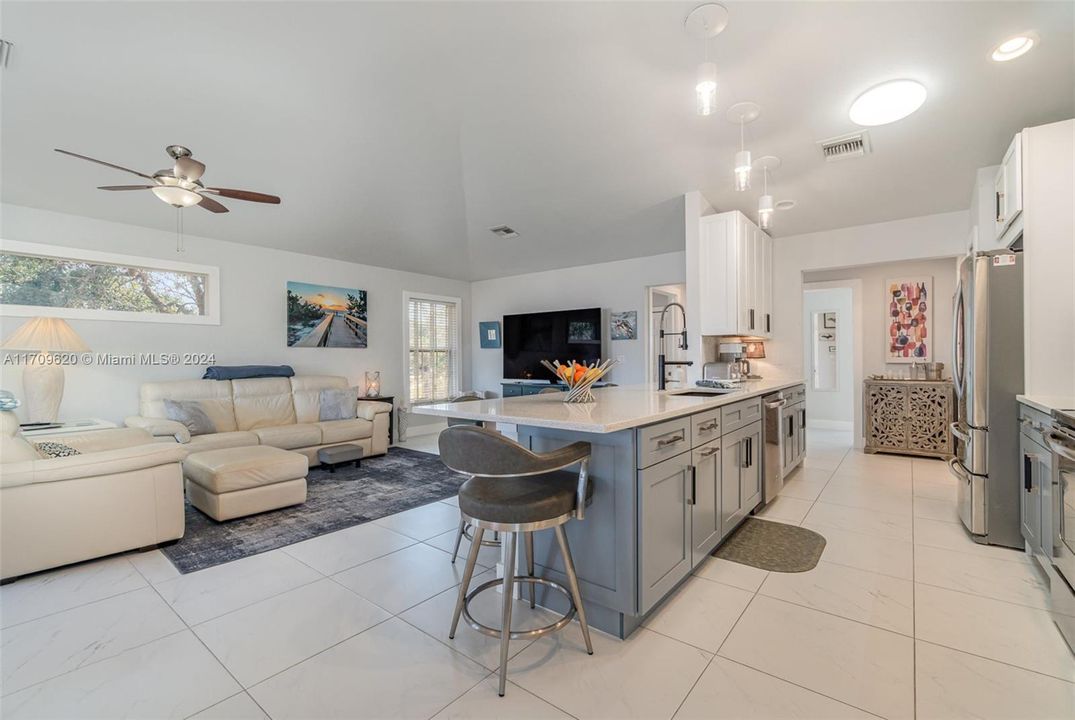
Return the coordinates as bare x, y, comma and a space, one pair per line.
189, 168
211, 205
125, 187
106, 164
244, 195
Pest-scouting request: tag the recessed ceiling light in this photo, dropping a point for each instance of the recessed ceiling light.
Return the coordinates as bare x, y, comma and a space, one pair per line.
1015, 47
785, 204
888, 102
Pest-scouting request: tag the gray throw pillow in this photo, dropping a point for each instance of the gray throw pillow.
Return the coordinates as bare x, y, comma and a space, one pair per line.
191, 415
55, 450
338, 404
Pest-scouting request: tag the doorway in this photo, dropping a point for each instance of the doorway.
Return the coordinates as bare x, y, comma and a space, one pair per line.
829, 330
658, 298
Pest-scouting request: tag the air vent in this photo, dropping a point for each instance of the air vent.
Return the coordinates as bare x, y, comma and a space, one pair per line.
846, 146
503, 232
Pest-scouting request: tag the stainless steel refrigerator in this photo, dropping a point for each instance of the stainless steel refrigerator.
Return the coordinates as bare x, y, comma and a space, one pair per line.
987, 370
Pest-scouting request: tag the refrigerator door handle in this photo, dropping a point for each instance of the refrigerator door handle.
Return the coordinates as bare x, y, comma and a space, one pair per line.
958, 362
954, 427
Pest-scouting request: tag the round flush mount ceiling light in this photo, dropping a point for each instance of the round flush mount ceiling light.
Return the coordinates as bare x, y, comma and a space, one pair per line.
1015, 47
888, 102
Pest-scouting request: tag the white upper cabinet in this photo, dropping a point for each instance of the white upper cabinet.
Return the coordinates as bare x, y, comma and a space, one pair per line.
1008, 188
735, 276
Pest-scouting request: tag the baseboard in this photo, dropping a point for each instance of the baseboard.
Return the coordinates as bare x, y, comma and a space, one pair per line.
846, 425
426, 429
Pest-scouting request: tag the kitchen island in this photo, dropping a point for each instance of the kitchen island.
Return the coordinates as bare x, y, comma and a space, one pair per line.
674, 473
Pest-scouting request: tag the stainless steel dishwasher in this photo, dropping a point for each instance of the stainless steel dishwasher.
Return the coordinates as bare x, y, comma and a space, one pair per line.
775, 405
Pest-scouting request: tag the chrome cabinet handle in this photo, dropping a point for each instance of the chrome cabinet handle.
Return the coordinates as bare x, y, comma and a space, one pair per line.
710, 452
709, 428
694, 488
670, 441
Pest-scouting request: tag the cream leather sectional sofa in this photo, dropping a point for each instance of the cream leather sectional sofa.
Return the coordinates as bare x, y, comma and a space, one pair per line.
279, 412
123, 492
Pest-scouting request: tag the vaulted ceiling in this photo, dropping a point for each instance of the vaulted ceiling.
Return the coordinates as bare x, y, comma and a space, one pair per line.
399, 133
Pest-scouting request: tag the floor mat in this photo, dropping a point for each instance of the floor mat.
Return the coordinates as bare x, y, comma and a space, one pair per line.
773, 546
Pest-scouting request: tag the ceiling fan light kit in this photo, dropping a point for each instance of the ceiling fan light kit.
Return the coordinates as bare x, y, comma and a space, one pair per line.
180, 185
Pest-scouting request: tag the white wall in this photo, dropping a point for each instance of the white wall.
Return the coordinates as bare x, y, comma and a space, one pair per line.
875, 307
253, 307
931, 236
831, 408
613, 286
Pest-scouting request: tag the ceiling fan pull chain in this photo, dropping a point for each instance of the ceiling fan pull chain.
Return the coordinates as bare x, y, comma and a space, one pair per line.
179, 230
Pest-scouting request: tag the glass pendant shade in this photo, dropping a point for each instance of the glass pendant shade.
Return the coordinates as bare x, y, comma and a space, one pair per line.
742, 170
706, 89
177, 196
765, 211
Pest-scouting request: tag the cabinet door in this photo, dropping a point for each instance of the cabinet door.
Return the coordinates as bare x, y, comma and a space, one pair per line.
801, 418
750, 478
747, 276
791, 446
886, 410
928, 418
1030, 497
765, 328
1009, 191
705, 497
664, 551
718, 279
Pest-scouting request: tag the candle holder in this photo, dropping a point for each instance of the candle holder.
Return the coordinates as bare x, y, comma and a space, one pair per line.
373, 383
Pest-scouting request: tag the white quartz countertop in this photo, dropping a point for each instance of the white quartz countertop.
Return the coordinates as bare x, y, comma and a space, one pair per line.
617, 408
1048, 403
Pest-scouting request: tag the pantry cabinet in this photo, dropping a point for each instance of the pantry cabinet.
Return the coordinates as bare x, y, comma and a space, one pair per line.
735, 276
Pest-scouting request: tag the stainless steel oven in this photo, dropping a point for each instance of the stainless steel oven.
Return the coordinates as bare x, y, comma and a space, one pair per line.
1060, 439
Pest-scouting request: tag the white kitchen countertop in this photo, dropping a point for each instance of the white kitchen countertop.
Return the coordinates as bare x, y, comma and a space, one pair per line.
1048, 403
617, 408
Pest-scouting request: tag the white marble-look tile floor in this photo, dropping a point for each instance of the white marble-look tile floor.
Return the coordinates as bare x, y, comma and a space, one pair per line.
904, 617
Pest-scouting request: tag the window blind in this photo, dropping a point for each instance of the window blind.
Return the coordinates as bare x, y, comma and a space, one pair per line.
433, 349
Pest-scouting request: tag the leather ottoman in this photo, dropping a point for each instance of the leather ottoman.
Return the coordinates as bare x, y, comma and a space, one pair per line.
239, 481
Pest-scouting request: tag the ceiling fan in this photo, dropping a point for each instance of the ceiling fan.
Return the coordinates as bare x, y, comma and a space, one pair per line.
181, 185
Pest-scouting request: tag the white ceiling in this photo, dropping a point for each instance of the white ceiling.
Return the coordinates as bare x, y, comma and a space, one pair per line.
397, 134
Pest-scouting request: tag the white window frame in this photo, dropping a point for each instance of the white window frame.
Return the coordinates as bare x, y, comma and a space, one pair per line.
457, 378
212, 289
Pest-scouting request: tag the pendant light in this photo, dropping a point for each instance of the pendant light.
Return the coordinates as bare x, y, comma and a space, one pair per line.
741, 114
704, 22
766, 204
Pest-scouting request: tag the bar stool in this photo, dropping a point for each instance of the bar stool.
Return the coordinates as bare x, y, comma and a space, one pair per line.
464, 528
513, 490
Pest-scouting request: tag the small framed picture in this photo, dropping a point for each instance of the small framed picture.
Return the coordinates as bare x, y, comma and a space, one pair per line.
489, 334
829, 320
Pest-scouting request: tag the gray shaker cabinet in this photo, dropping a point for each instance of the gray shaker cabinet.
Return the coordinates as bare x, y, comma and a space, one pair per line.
705, 500
665, 541
741, 480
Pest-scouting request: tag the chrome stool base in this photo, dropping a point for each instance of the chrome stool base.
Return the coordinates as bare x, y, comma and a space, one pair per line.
465, 531
519, 634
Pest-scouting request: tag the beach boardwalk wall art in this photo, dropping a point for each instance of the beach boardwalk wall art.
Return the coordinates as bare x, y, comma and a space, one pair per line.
325, 316
908, 309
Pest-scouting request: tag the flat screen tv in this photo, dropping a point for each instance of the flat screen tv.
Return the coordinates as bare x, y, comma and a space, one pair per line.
559, 335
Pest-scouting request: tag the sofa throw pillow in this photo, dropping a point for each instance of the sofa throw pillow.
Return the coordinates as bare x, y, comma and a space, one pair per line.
55, 450
338, 404
190, 414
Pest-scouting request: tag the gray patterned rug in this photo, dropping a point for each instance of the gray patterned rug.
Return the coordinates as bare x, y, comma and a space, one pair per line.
401, 480
773, 546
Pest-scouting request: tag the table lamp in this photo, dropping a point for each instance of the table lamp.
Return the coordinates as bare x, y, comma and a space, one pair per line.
42, 380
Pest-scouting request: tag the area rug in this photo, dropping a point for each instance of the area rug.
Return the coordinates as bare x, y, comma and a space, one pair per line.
401, 480
773, 546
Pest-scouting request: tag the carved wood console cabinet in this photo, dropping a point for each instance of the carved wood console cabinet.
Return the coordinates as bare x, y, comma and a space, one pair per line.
908, 417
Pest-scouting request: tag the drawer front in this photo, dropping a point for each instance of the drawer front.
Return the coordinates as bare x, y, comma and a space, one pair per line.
512, 390
733, 417
705, 427
662, 441
795, 394
1032, 422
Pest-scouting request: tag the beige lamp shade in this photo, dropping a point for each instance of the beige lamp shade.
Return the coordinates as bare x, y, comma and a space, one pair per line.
42, 381
46, 334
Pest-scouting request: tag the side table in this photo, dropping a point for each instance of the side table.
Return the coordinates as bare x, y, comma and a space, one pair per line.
390, 399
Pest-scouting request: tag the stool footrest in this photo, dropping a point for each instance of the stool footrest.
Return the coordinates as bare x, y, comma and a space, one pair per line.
519, 634
469, 535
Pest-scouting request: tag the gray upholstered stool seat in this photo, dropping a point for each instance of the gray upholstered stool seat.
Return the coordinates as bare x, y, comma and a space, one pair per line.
523, 499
